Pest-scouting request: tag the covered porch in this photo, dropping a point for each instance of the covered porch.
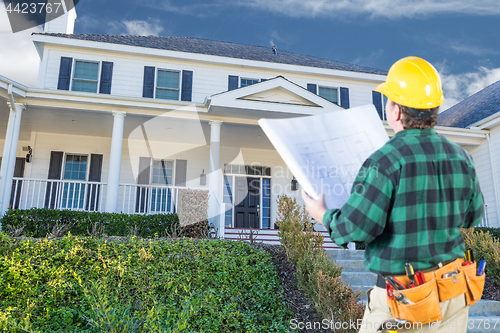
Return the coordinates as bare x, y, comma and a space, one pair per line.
133, 155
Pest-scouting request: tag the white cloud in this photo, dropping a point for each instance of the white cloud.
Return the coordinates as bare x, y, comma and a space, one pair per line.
143, 28
19, 60
198, 9
457, 87
373, 8
152, 27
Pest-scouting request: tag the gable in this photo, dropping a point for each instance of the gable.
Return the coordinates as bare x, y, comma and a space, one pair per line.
279, 95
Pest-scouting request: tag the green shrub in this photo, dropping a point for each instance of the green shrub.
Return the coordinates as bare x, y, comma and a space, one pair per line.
494, 232
40, 222
317, 275
138, 285
485, 247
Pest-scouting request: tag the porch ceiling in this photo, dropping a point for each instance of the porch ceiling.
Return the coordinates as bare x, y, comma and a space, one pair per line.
160, 128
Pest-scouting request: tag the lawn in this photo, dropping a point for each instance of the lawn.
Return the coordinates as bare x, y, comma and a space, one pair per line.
127, 284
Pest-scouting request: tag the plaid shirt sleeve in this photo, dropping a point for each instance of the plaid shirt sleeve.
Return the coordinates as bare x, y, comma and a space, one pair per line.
475, 211
364, 215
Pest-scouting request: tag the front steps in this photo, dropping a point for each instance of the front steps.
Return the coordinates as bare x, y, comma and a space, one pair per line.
356, 275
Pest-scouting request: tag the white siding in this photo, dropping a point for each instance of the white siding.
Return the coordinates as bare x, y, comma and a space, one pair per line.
208, 79
482, 163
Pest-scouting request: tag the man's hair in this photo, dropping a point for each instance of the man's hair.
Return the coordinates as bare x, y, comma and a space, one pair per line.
409, 121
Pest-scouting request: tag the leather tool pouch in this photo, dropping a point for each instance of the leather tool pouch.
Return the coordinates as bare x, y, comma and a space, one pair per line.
425, 307
426, 297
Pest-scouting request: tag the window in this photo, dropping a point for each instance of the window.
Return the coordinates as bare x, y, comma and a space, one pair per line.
75, 168
228, 201
384, 101
86, 76
167, 84
329, 93
162, 174
247, 82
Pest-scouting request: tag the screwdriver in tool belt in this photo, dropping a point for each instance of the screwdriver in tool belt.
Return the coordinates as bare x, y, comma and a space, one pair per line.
470, 254
411, 274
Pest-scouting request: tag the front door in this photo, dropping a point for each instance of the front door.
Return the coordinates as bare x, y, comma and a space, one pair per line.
247, 197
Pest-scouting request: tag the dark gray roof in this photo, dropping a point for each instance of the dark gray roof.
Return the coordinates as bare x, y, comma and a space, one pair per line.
473, 109
223, 49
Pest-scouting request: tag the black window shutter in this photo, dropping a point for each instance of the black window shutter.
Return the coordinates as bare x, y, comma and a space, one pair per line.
106, 77
149, 82
64, 73
377, 101
312, 88
94, 190
232, 82
344, 97
141, 201
55, 168
187, 86
18, 173
180, 172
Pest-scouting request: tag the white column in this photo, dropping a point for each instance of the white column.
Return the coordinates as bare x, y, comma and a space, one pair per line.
214, 178
115, 162
9, 156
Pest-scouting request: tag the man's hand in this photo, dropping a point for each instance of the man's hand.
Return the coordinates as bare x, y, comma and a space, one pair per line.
315, 208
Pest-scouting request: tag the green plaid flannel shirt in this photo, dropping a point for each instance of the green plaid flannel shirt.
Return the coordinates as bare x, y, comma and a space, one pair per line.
408, 203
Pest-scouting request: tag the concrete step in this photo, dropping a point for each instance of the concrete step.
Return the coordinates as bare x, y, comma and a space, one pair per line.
485, 308
359, 278
346, 254
352, 265
481, 324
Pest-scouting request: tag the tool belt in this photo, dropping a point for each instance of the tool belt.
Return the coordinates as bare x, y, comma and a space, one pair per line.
423, 300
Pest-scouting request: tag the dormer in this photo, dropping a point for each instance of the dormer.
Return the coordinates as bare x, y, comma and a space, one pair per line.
64, 24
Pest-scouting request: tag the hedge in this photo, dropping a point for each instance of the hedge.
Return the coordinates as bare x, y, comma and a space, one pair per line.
40, 222
84, 284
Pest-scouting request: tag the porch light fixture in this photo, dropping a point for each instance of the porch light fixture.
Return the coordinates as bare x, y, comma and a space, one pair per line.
203, 178
295, 184
29, 155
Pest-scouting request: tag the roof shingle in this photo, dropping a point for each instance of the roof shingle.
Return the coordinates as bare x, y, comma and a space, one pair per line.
473, 109
223, 49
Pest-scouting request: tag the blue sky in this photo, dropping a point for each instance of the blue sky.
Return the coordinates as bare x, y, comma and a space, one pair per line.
461, 38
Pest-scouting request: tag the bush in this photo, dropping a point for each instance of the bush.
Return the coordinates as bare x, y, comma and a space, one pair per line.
317, 275
494, 232
41, 222
138, 285
485, 247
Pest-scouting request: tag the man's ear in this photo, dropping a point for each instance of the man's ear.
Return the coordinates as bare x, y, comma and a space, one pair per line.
398, 112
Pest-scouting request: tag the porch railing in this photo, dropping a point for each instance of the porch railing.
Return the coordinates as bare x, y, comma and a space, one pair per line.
91, 196
57, 194
149, 199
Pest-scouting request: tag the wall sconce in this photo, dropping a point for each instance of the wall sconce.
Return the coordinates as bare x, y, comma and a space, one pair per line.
203, 178
29, 155
295, 184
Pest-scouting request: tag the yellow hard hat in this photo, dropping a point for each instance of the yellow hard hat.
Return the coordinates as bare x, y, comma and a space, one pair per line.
413, 82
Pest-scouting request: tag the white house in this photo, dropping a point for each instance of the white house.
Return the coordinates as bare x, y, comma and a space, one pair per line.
122, 123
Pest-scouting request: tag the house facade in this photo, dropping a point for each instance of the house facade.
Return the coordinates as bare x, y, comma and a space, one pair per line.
124, 123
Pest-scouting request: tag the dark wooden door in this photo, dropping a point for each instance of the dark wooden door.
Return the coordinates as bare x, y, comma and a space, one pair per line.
246, 211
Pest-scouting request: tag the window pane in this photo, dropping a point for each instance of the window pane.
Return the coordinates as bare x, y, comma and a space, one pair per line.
167, 94
162, 172
75, 167
168, 79
85, 86
328, 93
247, 82
86, 70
